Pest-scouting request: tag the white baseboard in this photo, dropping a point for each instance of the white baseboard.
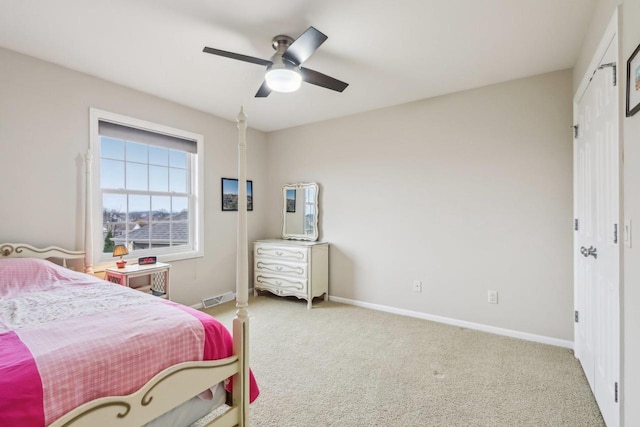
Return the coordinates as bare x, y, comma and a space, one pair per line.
455, 322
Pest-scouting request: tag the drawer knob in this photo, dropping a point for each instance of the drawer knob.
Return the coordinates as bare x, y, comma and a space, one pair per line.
279, 268
279, 253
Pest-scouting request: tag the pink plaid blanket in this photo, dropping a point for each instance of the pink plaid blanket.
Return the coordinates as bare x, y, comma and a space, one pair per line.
67, 338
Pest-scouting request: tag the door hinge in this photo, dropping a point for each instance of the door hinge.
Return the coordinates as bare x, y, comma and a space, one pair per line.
614, 66
615, 233
575, 224
575, 131
615, 386
576, 317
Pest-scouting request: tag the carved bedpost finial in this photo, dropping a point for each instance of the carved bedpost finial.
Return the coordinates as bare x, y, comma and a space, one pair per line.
242, 127
242, 117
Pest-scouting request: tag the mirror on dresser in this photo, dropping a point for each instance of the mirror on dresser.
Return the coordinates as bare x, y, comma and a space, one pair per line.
300, 211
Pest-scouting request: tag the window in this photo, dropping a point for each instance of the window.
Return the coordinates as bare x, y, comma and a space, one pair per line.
147, 190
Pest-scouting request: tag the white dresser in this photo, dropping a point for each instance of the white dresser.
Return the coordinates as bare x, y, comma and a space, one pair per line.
291, 267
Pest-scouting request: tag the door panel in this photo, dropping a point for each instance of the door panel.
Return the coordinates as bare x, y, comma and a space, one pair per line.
585, 207
596, 190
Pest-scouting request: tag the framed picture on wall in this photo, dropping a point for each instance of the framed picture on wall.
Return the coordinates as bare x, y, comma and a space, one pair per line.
291, 200
230, 194
633, 83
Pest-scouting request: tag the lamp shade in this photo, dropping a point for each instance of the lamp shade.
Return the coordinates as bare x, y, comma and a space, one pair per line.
120, 250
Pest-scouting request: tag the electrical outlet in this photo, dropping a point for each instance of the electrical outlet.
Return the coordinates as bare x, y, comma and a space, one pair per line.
417, 286
493, 297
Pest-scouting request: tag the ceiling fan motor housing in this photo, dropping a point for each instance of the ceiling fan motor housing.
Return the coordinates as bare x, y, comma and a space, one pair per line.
282, 75
281, 43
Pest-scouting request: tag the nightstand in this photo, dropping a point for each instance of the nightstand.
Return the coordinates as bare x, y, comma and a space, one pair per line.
158, 274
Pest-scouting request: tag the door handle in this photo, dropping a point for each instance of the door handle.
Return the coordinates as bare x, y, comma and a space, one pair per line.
591, 251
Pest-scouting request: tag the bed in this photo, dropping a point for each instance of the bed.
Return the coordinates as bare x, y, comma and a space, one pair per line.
76, 350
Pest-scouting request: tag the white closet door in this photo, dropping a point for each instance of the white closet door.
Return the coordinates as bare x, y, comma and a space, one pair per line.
597, 260
584, 213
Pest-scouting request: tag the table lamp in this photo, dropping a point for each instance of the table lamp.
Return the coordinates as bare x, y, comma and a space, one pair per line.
120, 250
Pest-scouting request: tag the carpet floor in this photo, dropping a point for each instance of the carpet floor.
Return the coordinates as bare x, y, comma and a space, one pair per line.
340, 365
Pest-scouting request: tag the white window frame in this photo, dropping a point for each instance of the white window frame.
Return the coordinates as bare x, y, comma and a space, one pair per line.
196, 207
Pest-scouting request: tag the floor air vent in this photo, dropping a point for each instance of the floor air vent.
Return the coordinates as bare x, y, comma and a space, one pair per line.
210, 302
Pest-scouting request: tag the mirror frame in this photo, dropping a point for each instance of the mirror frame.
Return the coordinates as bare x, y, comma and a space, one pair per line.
308, 237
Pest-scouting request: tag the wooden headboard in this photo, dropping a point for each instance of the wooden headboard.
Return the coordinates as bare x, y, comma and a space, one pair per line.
23, 250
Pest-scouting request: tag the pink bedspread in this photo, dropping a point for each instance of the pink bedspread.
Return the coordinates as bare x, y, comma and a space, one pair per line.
67, 338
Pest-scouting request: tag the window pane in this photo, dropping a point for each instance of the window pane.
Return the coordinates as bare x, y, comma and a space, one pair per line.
178, 159
139, 207
115, 204
158, 178
137, 152
158, 156
178, 181
160, 207
159, 234
161, 221
179, 233
111, 148
179, 208
137, 177
111, 174
114, 217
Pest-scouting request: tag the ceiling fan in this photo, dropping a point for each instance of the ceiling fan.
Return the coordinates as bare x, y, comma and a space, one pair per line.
284, 73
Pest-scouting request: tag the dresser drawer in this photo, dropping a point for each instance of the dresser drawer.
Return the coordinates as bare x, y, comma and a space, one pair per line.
286, 253
282, 285
268, 265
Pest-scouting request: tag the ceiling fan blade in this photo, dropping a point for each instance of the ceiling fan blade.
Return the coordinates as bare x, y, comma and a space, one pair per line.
264, 91
237, 56
319, 79
304, 46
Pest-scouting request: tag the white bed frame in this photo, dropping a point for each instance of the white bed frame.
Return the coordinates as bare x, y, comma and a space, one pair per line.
176, 384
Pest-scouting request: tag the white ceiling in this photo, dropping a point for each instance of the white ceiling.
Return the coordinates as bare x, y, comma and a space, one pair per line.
390, 52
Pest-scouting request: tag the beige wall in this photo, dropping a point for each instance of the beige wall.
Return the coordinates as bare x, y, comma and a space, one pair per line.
631, 290
466, 192
44, 132
599, 21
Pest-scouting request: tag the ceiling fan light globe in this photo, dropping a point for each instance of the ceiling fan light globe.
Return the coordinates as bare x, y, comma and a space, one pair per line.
283, 80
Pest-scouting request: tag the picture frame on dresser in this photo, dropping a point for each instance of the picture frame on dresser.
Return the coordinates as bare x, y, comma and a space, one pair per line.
229, 187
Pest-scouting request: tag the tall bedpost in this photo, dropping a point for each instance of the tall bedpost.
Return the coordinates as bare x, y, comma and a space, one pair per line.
88, 217
241, 321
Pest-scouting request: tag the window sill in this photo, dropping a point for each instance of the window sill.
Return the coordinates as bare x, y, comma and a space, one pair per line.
107, 262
